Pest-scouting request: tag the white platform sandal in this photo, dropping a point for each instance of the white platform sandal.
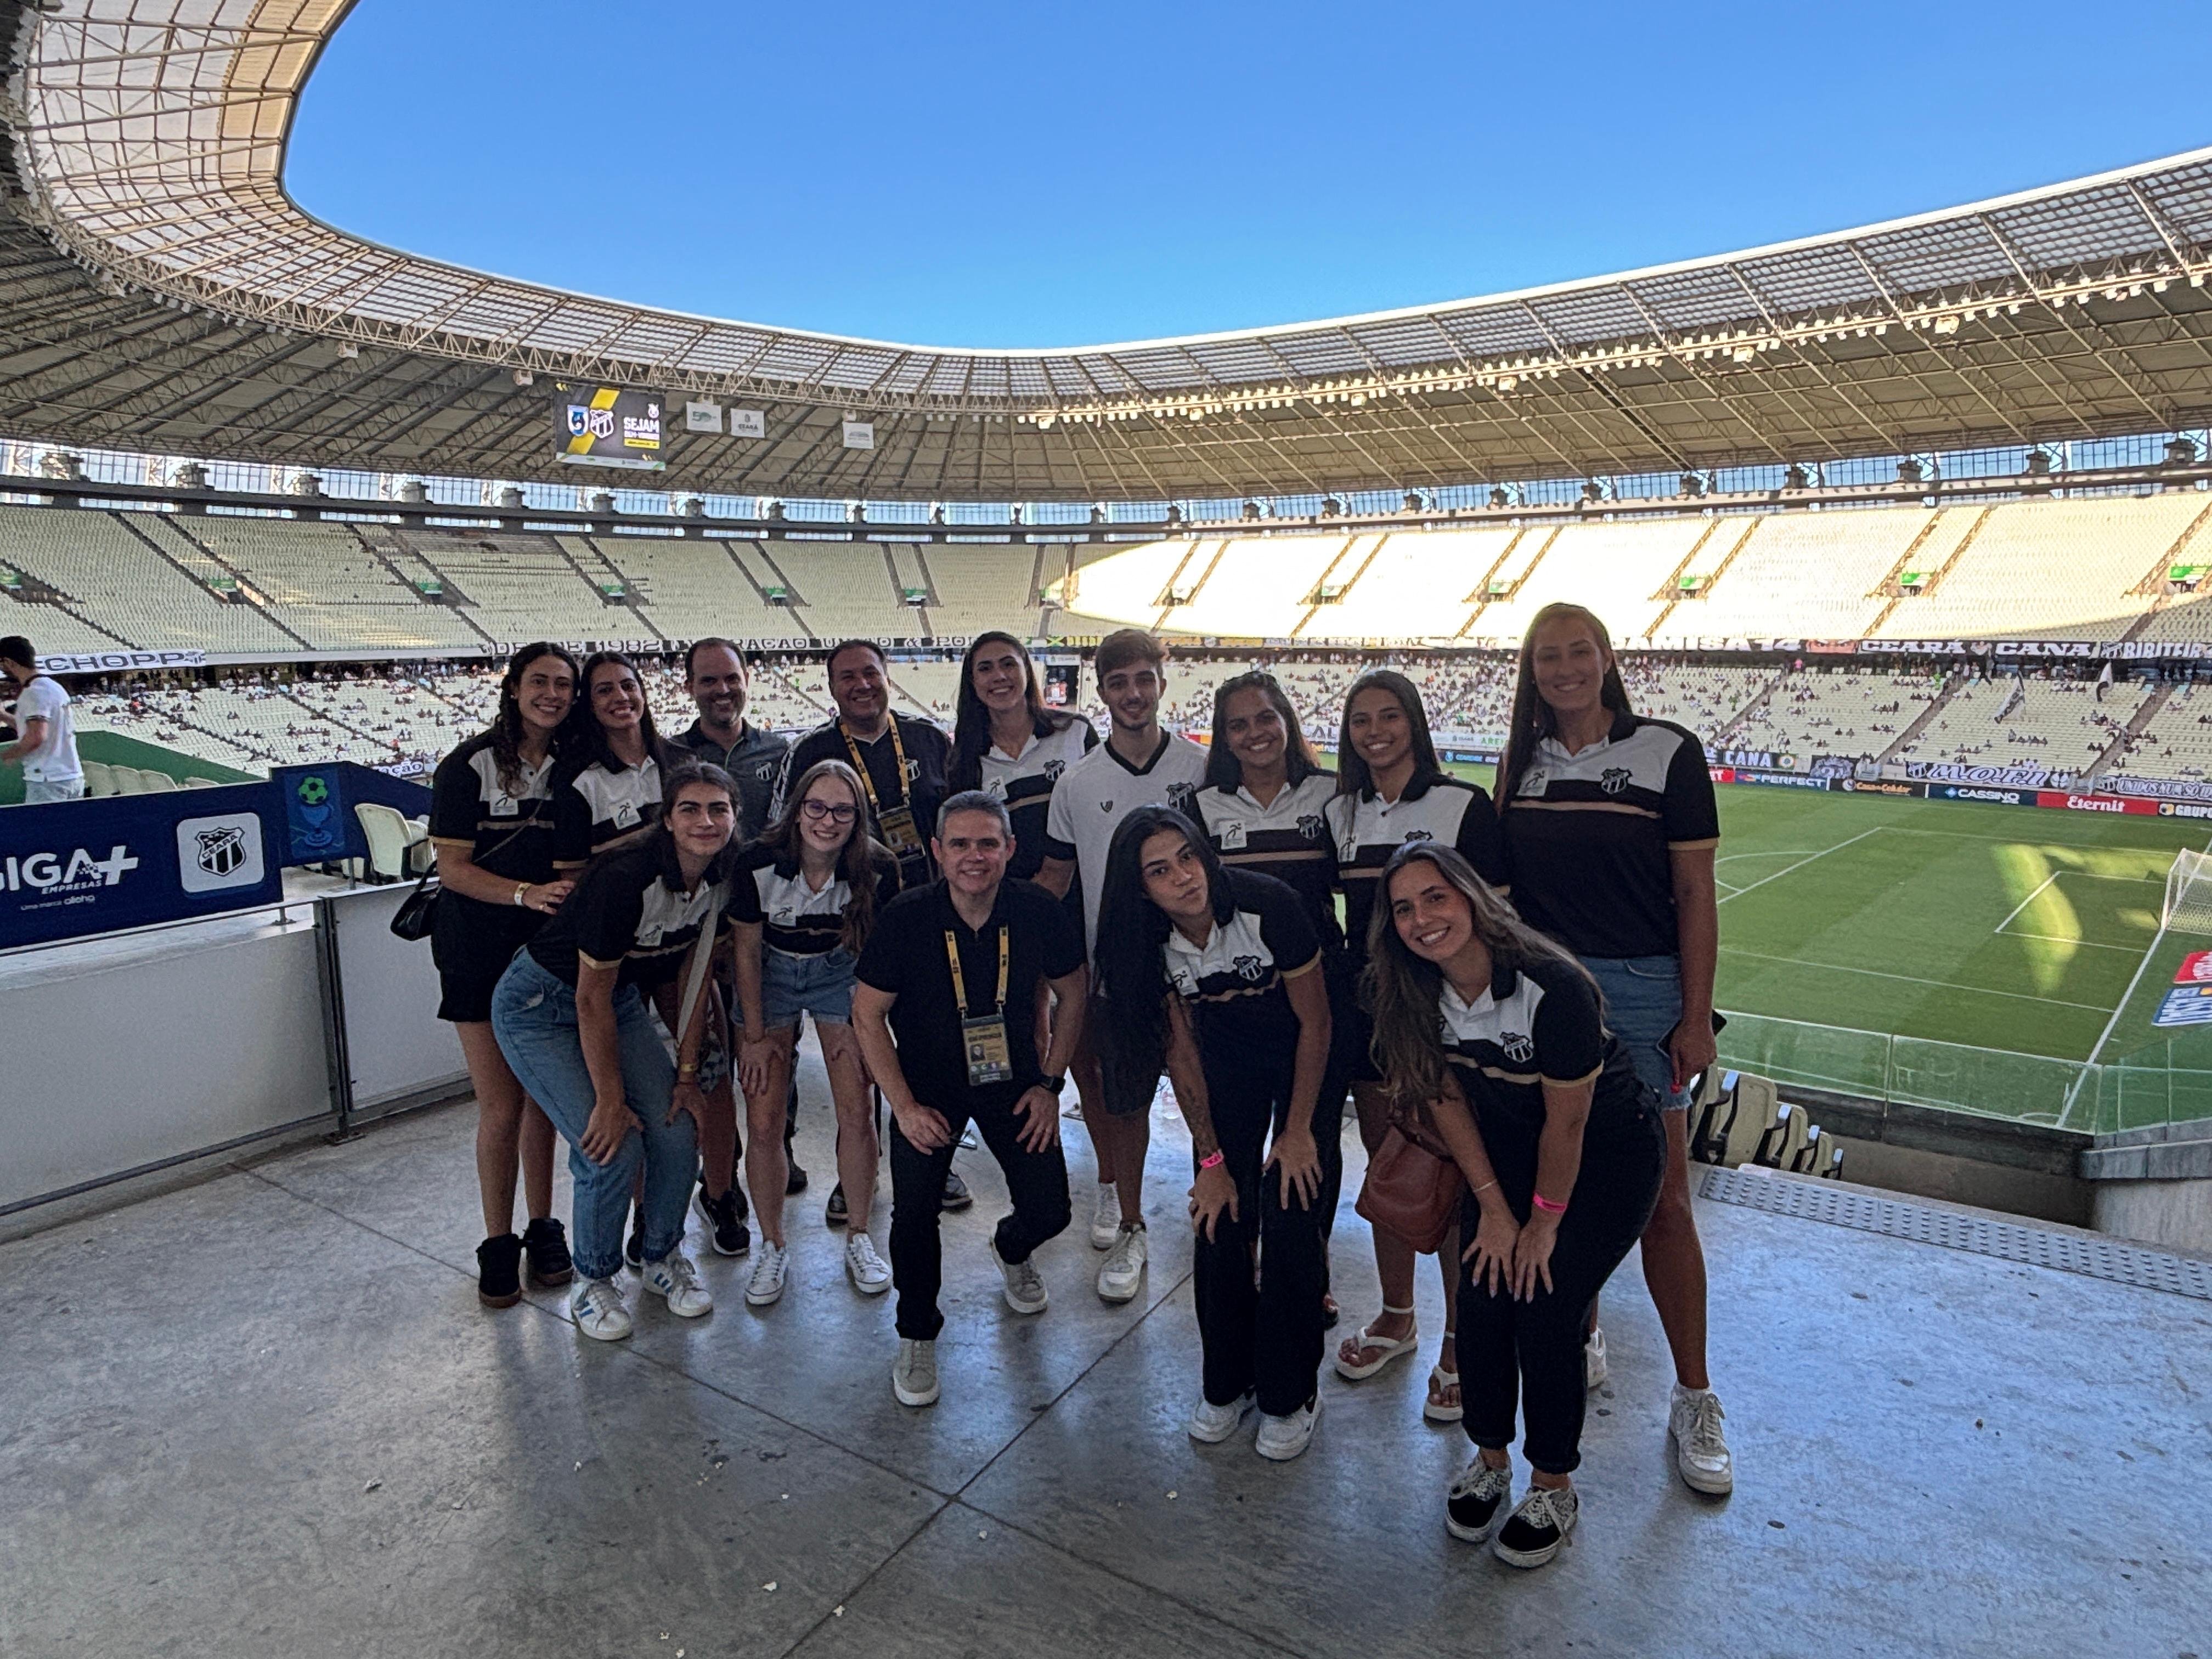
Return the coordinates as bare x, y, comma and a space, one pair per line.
1390, 1348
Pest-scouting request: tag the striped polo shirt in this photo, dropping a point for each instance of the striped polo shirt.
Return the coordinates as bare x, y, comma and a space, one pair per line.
1288, 839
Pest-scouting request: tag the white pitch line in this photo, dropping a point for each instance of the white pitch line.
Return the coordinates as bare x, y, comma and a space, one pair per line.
2060, 938
1939, 984
1802, 862
2025, 903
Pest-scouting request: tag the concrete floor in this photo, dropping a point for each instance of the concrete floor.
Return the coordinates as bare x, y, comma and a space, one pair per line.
265, 1415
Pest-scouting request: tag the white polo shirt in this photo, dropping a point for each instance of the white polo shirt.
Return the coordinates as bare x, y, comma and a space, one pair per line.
55, 760
1097, 793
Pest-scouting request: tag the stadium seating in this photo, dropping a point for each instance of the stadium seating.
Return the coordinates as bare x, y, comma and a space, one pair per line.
323, 583
1832, 712
2055, 723
1619, 570
690, 589
2178, 741
845, 589
1801, 575
1408, 586
115, 580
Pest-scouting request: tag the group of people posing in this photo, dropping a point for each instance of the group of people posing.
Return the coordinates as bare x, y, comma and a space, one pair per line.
1517, 997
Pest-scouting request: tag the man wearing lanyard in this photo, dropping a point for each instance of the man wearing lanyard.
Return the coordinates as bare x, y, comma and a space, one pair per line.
944, 1009
902, 762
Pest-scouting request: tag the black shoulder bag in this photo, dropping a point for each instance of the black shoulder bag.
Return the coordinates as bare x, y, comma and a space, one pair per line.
417, 913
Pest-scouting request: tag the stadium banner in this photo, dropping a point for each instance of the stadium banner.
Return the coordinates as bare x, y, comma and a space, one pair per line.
2195, 968
2126, 783
2185, 808
2074, 803
608, 426
748, 423
1832, 647
860, 435
94, 866
315, 806
1924, 647
1783, 779
702, 417
1982, 793
1884, 786
2003, 777
123, 662
2186, 1004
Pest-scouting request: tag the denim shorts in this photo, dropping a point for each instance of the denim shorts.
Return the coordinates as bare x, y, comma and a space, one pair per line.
821, 986
1643, 1004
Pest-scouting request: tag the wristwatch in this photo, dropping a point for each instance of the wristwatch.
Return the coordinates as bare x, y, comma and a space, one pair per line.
1054, 1082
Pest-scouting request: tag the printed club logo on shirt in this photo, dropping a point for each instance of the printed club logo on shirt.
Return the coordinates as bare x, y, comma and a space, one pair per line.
1053, 769
1613, 779
1249, 969
1182, 797
1518, 1047
1310, 826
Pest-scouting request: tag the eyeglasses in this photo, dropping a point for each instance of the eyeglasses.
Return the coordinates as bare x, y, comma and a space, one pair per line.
820, 809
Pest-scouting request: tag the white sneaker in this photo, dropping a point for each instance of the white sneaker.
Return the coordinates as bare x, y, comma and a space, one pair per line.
1593, 1371
863, 1266
1283, 1438
1701, 1452
1537, 1527
675, 1281
769, 1263
597, 1307
1123, 1270
1105, 1216
1472, 1501
1214, 1424
1025, 1290
913, 1375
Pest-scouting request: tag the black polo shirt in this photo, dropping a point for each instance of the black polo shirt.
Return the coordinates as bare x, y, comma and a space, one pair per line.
921, 788
600, 803
771, 892
754, 762
513, 836
905, 956
1536, 1024
1368, 830
1025, 782
1288, 839
1588, 837
1234, 985
631, 909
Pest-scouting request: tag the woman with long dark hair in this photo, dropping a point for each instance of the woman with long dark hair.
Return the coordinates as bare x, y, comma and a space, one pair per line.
1218, 968
806, 899
1264, 807
570, 1015
1494, 1037
492, 823
1006, 743
1611, 832
1392, 789
608, 788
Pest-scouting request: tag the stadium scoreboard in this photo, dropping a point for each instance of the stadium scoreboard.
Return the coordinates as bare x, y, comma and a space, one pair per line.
610, 426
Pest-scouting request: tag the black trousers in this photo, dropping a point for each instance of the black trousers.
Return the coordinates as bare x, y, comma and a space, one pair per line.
1346, 1034
1263, 1336
1538, 1345
1036, 1181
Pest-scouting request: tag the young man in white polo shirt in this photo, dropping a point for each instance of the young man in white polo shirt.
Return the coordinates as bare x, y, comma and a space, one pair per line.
1138, 765
45, 738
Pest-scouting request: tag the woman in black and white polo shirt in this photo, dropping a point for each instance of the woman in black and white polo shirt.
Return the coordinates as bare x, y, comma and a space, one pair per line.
492, 823
571, 1018
805, 899
1491, 1033
1008, 745
1218, 967
1391, 789
607, 789
1610, 834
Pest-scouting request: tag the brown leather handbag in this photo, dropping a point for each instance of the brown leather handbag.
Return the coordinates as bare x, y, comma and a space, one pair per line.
1411, 1189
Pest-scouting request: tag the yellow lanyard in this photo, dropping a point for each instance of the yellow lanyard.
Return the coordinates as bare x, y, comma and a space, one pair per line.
959, 980
898, 752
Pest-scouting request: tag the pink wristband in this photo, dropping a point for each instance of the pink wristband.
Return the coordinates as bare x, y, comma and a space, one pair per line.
1546, 1206
1212, 1161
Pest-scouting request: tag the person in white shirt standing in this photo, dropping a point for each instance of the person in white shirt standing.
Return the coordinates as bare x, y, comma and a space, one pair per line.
46, 737
1138, 765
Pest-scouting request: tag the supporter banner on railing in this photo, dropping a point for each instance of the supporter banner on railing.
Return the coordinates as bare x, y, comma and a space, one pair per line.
121, 662
2008, 777
2126, 783
317, 805
94, 866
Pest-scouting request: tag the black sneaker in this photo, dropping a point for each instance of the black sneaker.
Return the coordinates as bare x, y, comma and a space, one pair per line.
725, 1219
499, 1271
546, 1247
634, 1251
736, 1189
957, 1196
1471, 1501
795, 1182
1540, 1524
834, 1213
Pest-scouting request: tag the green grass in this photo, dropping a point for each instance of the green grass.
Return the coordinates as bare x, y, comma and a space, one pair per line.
1955, 955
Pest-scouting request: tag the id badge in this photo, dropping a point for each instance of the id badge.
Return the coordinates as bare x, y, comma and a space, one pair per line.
896, 823
989, 1060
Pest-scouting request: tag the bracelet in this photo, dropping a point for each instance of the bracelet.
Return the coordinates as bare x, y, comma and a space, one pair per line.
1483, 1188
1546, 1206
686, 1073
521, 889
1212, 1160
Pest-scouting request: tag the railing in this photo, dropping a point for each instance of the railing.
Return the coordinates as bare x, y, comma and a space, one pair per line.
2167, 1082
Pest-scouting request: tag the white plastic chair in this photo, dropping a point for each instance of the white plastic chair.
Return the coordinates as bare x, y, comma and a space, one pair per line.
128, 781
392, 841
157, 783
98, 780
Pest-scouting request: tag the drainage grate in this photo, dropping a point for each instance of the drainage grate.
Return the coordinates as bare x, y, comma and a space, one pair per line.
1979, 1235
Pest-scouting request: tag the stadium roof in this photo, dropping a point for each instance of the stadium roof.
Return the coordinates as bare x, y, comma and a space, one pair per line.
159, 290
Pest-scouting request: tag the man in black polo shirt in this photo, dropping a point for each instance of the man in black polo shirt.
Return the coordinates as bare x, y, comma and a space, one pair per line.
716, 677
945, 1012
901, 760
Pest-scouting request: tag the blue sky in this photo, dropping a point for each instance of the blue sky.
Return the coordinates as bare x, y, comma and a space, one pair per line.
1009, 174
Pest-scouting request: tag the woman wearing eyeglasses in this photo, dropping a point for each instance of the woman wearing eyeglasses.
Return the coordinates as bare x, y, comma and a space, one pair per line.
805, 898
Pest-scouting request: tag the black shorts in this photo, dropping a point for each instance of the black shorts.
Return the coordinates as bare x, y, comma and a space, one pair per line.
1130, 1085
472, 943
1351, 1027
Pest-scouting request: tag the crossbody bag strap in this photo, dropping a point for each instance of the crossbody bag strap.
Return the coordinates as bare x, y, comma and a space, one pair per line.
702, 952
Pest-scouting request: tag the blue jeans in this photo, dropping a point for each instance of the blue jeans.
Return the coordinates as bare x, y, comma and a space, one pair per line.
533, 1015
821, 986
1643, 1004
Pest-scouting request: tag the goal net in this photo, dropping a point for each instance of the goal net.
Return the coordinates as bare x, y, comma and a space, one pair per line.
2189, 893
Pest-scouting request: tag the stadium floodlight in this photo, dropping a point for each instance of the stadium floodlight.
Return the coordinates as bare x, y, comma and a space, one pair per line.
414, 489
773, 511
1693, 484
1252, 510
693, 507
1909, 471
2039, 464
1794, 476
1498, 497
602, 504
1592, 490
510, 495
307, 483
1331, 507
2180, 451
1414, 503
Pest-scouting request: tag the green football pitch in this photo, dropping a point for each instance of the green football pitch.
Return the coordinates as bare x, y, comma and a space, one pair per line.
1954, 954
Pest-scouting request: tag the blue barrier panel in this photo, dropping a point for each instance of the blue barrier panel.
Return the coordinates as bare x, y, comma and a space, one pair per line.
93, 866
319, 824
